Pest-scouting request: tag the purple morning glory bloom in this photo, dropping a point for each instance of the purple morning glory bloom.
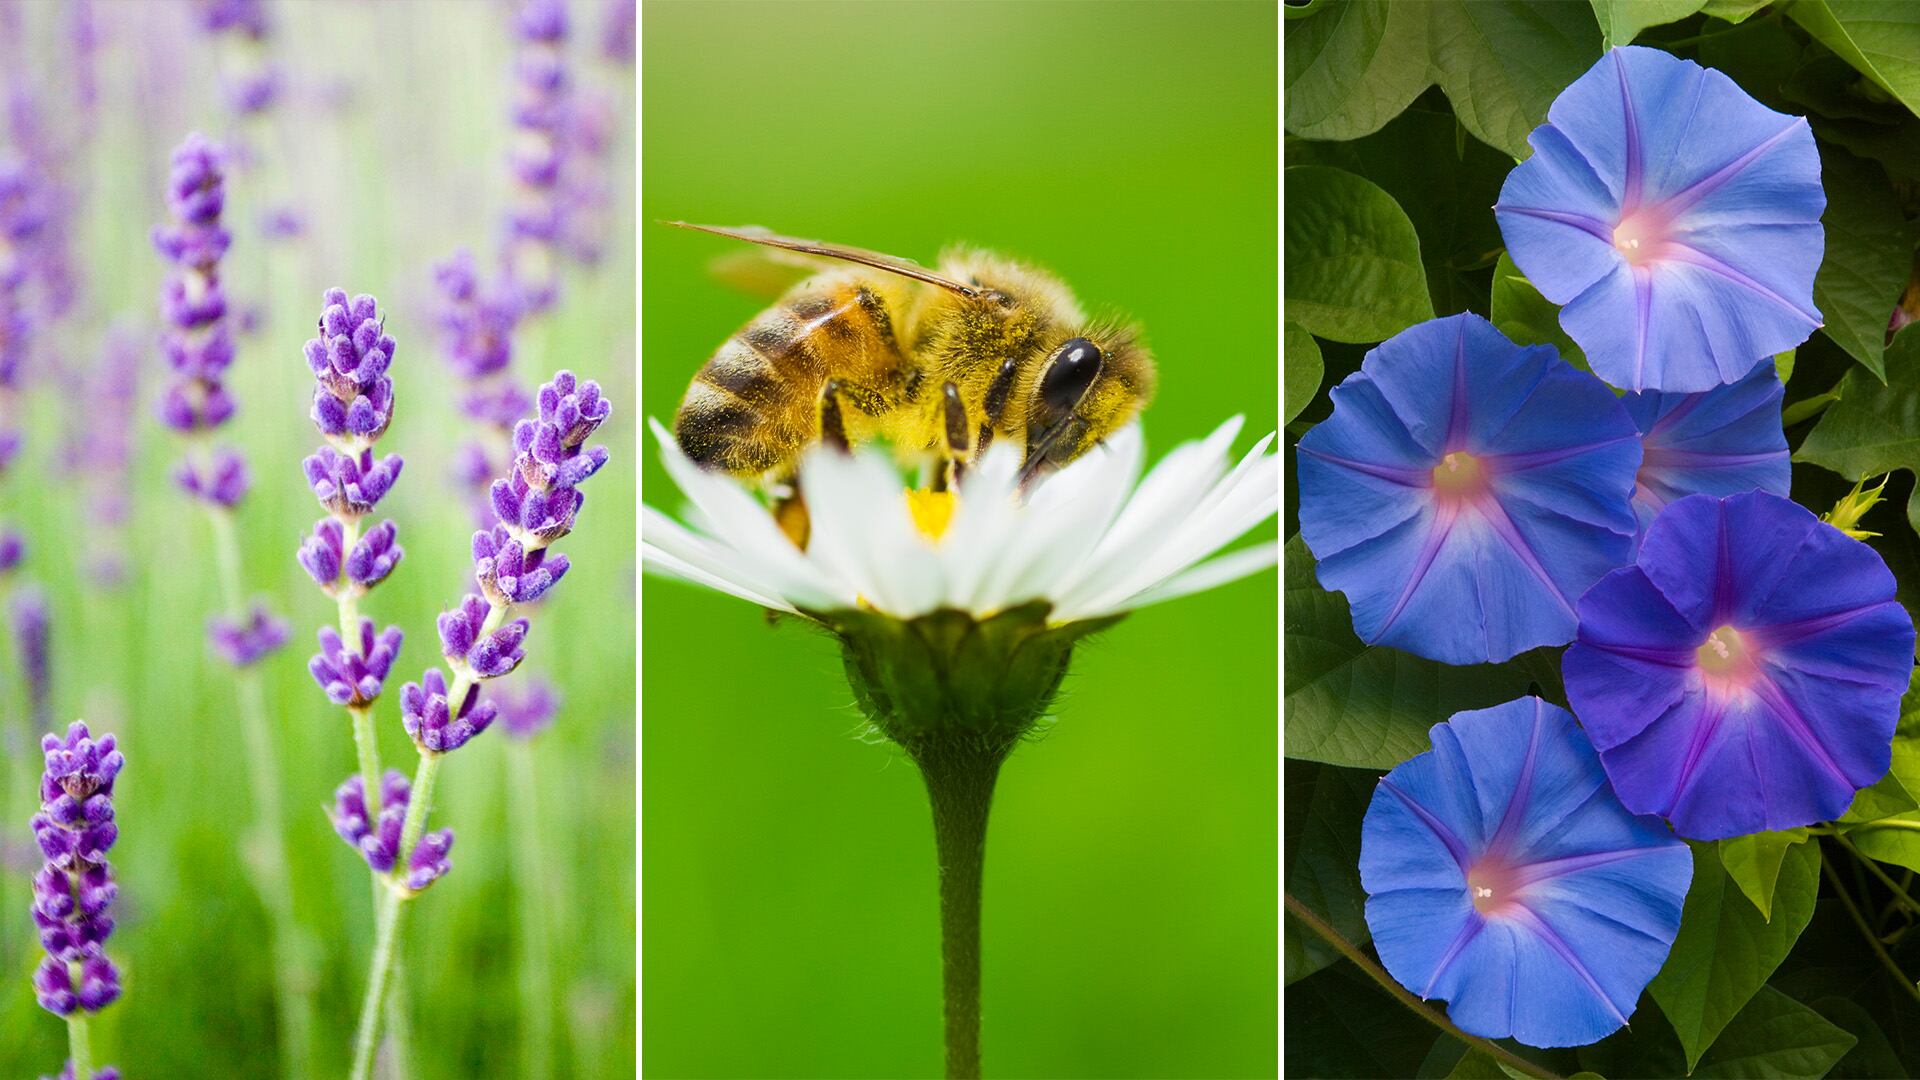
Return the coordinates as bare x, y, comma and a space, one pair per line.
1724, 441
1745, 673
1676, 218
1466, 491
1503, 875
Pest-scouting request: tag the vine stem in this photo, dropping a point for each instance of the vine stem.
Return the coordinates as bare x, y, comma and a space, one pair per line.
530, 877
1900, 896
1866, 931
293, 984
1401, 994
960, 775
79, 1045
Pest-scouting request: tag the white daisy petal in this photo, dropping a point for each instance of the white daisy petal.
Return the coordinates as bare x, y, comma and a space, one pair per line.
1092, 539
658, 561
1207, 575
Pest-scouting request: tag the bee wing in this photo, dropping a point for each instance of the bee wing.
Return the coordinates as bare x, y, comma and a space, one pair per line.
766, 273
892, 264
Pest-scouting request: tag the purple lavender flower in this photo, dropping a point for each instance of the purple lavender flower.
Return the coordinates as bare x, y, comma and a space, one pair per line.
527, 710
353, 676
467, 643
245, 17
74, 891
353, 401
476, 324
31, 633
350, 485
282, 223
508, 573
617, 37
222, 480
538, 503
198, 346
244, 643
534, 224
377, 841
428, 863
66, 1073
12, 549
435, 726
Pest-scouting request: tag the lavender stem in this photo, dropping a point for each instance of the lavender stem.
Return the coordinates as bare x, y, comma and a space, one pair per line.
530, 875
273, 875
79, 1044
392, 906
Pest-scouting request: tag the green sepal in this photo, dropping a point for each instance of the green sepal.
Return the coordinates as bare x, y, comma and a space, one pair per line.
947, 674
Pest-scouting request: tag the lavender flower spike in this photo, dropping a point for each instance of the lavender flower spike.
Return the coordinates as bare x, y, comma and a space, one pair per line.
74, 891
31, 633
353, 676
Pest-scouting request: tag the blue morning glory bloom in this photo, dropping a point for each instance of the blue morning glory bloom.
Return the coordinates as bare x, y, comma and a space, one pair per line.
1676, 218
1466, 491
1503, 875
1745, 673
1721, 442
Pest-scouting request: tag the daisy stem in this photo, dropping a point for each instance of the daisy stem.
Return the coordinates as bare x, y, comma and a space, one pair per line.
273, 876
960, 772
79, 1045
1400, 993
1859, 920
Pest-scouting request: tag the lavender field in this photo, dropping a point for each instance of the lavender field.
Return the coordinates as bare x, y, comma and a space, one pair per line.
189, 537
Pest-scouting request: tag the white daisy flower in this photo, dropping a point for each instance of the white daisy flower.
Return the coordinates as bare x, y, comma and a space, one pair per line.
1091, 541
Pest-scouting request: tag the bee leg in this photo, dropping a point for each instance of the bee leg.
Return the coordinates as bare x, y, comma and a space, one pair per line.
790, 514
959, 443
833, 428
999, 392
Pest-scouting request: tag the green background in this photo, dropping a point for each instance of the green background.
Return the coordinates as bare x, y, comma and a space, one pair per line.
409, 167
788, 876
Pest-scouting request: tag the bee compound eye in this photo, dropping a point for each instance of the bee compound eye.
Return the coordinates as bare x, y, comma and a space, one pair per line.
1072, 371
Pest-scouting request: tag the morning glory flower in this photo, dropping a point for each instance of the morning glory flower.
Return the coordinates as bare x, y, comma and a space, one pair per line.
1503, 875
1721, 442
1745, 673
1676, 218
1466, 491
1086, 540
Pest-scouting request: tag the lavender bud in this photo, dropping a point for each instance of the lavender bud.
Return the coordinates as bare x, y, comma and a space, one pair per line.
353, 397
222, 481
528, 710
242, 644
322, 554
31, 632
13, 548
74, 891
350, 485
509, 574
353, 677
378, 842
375, 556
435, 727
428, 863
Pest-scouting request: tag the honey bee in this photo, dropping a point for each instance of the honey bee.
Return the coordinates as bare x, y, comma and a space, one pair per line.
940, 364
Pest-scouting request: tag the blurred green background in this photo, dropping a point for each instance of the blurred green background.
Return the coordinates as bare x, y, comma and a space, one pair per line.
788, 874
391, 140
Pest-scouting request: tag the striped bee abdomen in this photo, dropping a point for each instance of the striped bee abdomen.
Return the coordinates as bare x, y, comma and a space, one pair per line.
755, 404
